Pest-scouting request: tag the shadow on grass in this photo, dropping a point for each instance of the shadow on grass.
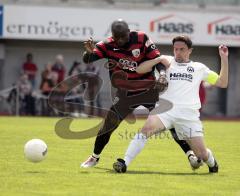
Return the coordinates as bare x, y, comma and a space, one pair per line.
154, 172
84, 172
35, 172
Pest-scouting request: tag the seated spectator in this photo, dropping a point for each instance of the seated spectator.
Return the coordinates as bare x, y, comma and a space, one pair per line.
59, 67
27, 101
92, 88
47, 83
77, 92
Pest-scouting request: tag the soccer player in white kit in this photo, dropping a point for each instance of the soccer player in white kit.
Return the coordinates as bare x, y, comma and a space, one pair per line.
184, 77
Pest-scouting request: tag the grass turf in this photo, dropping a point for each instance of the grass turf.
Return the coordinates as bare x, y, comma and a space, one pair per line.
160, 169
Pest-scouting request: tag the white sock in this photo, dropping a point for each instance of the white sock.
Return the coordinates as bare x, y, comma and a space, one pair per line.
135, 147
96, 155
210, 161
189, 152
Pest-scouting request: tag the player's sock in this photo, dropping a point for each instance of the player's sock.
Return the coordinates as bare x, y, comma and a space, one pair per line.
210, 162
135, 147
101, 142
190, 153
97, 156
182, 143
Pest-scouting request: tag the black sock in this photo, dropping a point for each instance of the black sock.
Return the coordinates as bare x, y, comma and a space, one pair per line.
101, 142
182, 143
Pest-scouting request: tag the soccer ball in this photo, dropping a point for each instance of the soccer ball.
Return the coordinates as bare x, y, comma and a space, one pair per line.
35, 150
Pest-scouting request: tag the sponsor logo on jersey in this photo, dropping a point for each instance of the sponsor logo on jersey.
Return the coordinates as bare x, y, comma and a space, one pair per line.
182, 64
181, 76
136, 53
128, 65
190, 69
153, 46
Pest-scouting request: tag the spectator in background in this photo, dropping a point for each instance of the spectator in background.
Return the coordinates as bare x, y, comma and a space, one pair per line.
59, 67
59, 88
76, 68
27, 101
47, 83
30, 69
92, 88
77, 92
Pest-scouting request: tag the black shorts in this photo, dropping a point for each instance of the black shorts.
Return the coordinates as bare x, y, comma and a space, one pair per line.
126, 102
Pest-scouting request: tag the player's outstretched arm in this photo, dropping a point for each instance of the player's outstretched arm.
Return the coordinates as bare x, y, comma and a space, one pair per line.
88, 55
89, 45
223, 76
147, 66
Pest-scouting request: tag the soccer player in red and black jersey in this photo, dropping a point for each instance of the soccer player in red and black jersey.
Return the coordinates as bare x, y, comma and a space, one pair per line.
125, 50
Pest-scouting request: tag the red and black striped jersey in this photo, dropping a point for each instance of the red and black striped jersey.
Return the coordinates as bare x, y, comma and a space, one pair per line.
139, 48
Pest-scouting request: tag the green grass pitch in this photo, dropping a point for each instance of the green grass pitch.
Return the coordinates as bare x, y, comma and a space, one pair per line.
160, 169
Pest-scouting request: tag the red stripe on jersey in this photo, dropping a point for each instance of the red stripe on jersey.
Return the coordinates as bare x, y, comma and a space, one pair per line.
153, 54
118, 54
98, 52
102, 45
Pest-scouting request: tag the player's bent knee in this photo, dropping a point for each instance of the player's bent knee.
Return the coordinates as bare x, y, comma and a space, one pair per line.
202, 154
152, 125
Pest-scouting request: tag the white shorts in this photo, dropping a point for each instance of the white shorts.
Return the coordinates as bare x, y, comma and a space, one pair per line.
185, 121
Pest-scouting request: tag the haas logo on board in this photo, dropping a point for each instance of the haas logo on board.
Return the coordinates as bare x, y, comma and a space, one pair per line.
172, 24
225, 26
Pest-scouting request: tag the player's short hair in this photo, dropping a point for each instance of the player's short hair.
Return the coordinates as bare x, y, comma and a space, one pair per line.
183, 38
119, 27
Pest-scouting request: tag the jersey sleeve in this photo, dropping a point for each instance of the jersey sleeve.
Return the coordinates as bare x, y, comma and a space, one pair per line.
210, 76
150, 48
100, 50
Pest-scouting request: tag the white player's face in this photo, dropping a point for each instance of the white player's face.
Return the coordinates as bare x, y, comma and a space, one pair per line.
181, 52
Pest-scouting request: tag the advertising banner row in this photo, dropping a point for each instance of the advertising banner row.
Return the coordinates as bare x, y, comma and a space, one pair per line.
78, 24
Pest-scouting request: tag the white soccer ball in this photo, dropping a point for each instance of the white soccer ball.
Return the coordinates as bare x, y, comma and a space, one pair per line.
35, 150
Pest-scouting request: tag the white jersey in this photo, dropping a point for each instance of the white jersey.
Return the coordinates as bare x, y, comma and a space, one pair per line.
183, 83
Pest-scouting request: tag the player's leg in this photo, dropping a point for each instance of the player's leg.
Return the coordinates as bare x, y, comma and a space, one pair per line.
192, 132
102, 139
182, 143
192, 158
152, 126
114, 117
199, 148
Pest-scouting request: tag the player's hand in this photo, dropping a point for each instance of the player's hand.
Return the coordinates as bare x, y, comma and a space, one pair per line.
223, 51
162, 83
89, 45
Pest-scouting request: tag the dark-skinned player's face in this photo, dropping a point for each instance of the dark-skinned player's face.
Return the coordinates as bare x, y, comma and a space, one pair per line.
120, 38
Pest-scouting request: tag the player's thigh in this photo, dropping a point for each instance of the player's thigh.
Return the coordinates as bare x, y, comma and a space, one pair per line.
152, 125
114, 117
187, 129
123, 108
